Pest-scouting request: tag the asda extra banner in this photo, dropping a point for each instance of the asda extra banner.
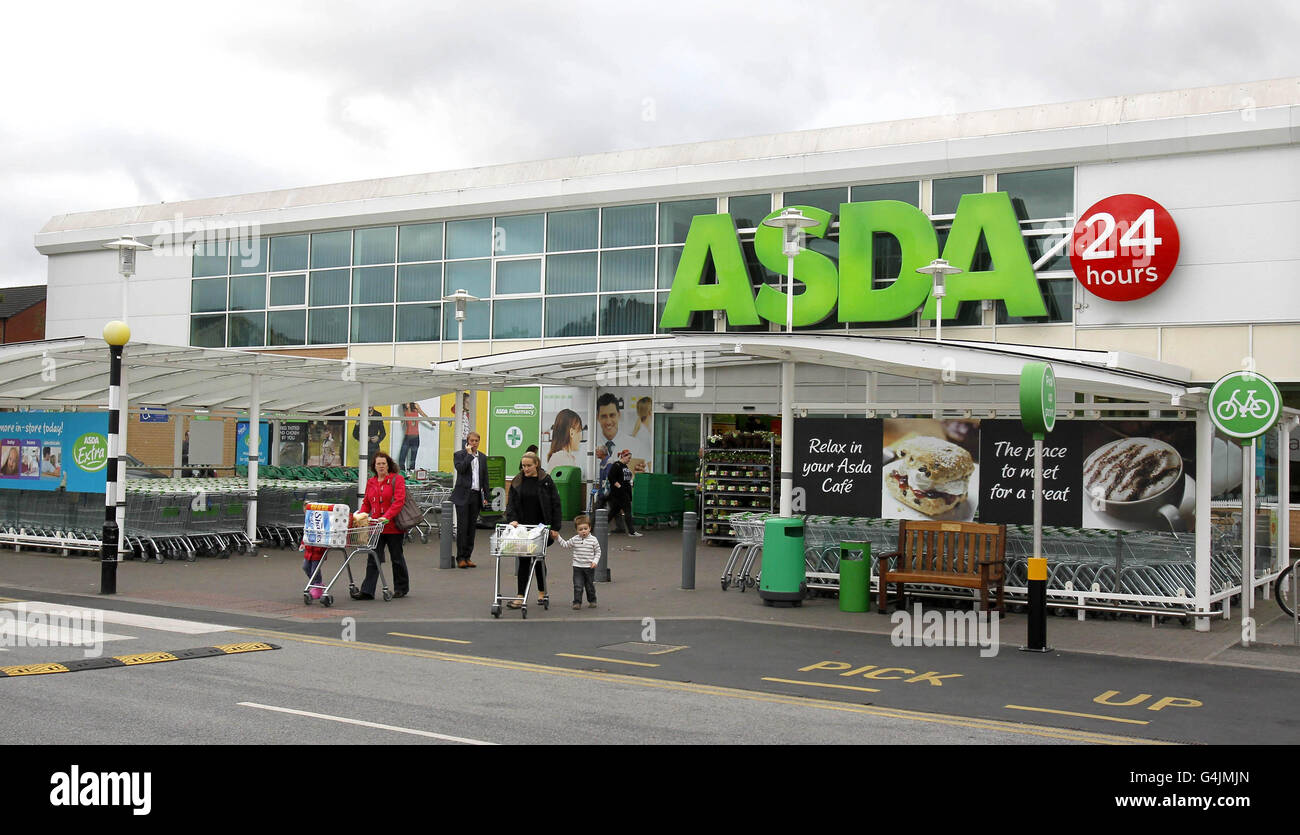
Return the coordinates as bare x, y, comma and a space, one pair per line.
54, 450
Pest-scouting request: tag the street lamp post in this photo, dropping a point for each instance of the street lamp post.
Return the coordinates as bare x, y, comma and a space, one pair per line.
462, 299
791, 222
127, 247
938, 270
116, 334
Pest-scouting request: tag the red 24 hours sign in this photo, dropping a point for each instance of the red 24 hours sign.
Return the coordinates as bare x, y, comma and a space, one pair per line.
1124, 247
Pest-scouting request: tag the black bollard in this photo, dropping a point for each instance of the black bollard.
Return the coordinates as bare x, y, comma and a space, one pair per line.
1037, 606
688, 550
445, 536
601, 532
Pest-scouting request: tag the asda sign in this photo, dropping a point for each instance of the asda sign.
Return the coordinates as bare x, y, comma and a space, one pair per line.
848, 291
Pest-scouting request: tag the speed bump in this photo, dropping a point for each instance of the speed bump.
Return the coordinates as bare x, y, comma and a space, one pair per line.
131, 660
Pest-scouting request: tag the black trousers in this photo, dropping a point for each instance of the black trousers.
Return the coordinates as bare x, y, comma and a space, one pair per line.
584, 579
521, 575
392, 542
620, 506
467, 524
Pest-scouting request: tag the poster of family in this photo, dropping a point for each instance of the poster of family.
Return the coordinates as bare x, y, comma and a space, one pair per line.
54, 450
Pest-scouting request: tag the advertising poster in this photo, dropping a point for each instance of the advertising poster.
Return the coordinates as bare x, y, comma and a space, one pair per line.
292, 450
1007, 469
325, 443
930, 469
1137, 474
263, 443
379, 432
837, 466
418, 447
514, 423
566, 411
625, 420
53, 450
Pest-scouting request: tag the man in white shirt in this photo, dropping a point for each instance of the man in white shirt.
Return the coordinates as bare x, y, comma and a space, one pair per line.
468, 495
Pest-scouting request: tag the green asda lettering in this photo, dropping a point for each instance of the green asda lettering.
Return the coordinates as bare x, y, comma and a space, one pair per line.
849, 290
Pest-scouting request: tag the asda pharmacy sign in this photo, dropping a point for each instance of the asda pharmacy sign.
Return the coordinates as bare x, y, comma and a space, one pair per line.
847, 290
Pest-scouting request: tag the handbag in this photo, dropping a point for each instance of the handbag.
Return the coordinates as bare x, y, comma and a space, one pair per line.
410, 514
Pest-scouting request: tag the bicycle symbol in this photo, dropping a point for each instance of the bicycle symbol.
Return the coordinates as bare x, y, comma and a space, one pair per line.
1251, 406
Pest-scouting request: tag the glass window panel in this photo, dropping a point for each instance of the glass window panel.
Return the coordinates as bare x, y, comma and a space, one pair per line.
418, 322
519, 277
748, 211
247, 330
209, 259
422, 242
474, 277
328, 326
469, 238
571, 316
331, 249
909, 193
628, 225
517, 319
1034, 194
632, 269
571, 273
289, 253
571, 230
1039, 244
248, 255
372, 285
208, 294
477, 316
1058, 295
675, 218
286, 327
374, 246
372, 324
827, 199
669, 258
419, 283
626, 314
886, 258
208, 331
248, 292
329, 287
947, 193
661, 300
520, 235
288, 290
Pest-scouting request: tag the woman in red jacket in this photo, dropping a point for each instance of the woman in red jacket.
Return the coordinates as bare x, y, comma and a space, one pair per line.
385, 495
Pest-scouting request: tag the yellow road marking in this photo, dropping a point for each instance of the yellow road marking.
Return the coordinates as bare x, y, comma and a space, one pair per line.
429, 638
1083, 715
610, 660
1046, 731
666, 651
822, 684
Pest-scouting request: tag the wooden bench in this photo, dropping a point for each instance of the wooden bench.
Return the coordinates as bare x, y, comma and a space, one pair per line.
963, 554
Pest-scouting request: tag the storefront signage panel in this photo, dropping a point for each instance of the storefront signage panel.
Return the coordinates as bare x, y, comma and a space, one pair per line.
1124, 247
54, 450
838, 461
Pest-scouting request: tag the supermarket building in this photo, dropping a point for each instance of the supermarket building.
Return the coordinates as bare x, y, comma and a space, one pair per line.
569, 256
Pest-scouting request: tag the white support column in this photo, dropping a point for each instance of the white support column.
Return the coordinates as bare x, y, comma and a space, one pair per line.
1284, 488
254, 452
787, 439
363, 445
1204, 456
1247, 541
178, 441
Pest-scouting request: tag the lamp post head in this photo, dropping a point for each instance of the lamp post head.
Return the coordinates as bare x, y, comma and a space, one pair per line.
792, 222
938, 270
462, 299
117, 334
126, 247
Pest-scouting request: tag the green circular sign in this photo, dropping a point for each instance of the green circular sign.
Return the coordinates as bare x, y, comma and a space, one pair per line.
1038, 398
1244, 404
90, 452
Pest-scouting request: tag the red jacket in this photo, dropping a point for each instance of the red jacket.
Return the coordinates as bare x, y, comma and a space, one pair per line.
385, 498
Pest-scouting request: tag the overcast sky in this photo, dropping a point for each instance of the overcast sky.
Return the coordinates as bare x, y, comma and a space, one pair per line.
110, 105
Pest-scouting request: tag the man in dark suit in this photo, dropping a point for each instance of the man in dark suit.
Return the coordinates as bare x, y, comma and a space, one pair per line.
468, 495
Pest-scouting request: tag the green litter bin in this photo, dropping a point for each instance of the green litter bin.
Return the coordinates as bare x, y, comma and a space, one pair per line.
568, 483
855, 576
783, 578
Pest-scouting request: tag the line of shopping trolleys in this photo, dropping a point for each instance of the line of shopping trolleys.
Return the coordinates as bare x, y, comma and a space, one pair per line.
1115, 571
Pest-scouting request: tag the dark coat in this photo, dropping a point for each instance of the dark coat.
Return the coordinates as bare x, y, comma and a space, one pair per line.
464, 477
621, 473
548, 497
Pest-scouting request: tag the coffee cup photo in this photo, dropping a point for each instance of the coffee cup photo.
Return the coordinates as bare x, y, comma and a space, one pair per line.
1137, 479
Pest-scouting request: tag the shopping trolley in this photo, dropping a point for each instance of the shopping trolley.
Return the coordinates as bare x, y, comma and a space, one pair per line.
430, 498
360, 540
524, 542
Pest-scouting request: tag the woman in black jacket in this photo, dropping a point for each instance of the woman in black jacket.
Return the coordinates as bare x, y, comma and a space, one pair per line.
533, 501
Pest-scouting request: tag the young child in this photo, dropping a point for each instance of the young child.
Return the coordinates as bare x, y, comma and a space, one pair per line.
586, 554
311, 566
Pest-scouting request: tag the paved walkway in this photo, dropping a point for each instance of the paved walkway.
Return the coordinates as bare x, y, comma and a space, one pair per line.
646, 574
